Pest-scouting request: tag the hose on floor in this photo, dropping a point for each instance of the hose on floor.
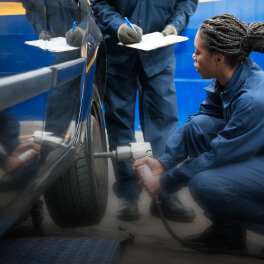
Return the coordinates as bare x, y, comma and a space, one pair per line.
207, 250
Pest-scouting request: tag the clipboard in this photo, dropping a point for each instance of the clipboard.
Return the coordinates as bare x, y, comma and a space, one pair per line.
54, 44
155, 40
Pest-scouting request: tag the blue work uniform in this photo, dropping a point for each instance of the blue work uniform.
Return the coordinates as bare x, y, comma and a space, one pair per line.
225, 146
150, 73
60, 15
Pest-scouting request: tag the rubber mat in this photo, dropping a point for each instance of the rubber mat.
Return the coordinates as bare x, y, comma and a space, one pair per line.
59, 250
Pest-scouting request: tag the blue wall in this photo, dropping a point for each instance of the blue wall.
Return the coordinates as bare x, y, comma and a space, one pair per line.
189, 85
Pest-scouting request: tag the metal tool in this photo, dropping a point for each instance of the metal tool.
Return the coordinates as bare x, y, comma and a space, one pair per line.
133, 152
48, 139
137, 151
43, 138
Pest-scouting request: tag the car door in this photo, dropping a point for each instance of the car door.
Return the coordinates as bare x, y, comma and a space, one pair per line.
24, 83
68, 66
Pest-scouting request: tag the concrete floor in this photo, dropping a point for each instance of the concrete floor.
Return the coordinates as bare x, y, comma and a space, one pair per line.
152, 244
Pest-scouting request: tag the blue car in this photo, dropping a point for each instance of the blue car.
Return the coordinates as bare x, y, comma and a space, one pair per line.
52, 81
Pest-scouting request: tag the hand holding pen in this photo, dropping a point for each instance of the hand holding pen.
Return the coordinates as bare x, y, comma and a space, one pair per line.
129, 33
75, 35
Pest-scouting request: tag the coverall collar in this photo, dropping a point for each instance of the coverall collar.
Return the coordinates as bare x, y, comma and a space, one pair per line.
232, 87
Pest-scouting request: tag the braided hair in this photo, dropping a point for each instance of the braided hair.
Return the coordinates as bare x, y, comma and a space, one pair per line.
230, 36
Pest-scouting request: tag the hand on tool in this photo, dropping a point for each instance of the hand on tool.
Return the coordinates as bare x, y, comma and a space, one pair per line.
151, 184
15, 160
22, 148
157, 168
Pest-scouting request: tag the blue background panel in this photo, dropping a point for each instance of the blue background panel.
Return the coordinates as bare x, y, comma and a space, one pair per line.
188, 83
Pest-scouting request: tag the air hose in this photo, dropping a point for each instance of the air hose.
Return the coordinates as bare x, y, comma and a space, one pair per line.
185, 243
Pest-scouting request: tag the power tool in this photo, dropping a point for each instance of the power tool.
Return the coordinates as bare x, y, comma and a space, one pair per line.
133, 152
43, 138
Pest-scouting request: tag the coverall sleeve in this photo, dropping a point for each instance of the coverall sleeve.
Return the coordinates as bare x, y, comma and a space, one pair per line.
175, 150
181, 15
35, 14
108, 16
241, 139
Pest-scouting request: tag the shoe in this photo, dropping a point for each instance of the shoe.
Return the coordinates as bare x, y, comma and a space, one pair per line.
128, 209
228, 237
173, 210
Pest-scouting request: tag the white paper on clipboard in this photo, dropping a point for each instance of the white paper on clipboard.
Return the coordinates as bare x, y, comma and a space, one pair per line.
155, 40
54, 44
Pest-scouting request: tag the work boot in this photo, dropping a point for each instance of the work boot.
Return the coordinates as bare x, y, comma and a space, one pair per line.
128, 209
217, 236
173, 209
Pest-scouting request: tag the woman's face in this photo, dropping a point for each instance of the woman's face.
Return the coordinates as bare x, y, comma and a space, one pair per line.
204, 61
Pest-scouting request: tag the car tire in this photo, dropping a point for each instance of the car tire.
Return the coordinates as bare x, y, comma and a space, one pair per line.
79, 196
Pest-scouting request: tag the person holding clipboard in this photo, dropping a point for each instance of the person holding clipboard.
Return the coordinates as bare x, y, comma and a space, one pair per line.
148, 73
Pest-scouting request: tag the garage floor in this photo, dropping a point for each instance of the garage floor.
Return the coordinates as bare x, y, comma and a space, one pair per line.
152, 243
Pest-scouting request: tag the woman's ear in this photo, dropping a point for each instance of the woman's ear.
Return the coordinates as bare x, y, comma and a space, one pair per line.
219, 58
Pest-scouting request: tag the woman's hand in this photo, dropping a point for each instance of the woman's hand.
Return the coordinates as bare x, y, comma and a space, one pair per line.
157, 168
151, 183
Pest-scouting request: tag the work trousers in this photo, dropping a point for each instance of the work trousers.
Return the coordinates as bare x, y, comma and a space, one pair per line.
158, 116
232, 193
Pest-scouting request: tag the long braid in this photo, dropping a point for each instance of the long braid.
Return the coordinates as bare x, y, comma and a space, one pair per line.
233, 38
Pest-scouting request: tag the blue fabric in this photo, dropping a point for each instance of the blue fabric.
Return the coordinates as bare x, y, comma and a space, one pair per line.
158, 117
225, 146
240, 139
9, 135
151, 16
148, 73
233, 193
60, 16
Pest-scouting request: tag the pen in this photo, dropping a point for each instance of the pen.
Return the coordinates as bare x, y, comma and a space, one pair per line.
129, 24
73, 27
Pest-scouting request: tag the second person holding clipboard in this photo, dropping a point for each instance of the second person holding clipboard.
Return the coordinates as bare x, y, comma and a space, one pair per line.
150, 74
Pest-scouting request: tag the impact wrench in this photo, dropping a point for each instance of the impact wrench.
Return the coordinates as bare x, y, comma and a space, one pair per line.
136, 151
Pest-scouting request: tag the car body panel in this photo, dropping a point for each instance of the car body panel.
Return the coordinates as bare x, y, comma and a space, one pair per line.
43, 91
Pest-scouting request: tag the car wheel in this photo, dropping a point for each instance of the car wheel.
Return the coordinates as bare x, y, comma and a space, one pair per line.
79, 197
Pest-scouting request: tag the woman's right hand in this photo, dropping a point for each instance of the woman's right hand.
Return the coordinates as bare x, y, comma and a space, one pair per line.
157, 168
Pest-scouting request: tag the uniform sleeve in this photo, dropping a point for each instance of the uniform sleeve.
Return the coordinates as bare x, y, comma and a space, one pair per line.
108, 17
242, 138
176, 150
35, 14
182, 12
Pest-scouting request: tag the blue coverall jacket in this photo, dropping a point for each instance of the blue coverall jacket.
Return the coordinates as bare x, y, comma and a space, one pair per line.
59, 17
151, 16
225, 145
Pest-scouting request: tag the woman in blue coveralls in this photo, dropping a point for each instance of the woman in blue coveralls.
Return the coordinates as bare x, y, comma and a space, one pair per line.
150, 73
221, 148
